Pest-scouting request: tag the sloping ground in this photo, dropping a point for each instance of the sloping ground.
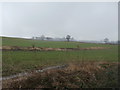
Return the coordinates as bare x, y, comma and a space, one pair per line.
48, 49
82, 75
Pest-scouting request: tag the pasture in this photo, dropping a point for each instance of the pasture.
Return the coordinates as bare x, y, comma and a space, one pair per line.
85, 66
6, 41
21, 61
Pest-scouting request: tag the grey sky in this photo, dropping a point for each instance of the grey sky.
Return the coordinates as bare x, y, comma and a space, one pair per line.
83, 21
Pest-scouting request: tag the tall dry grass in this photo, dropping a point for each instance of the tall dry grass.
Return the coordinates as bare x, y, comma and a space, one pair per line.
76, 75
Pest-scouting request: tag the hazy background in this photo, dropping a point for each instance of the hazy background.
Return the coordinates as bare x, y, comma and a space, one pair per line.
81, 20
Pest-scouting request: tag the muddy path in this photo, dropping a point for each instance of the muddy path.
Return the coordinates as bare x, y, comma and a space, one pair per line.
30, 73
16, 48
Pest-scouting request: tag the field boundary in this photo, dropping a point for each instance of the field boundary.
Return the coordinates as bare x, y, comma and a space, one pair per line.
16, 48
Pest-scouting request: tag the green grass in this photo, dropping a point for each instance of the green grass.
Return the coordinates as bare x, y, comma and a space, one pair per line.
6, 41
20, 61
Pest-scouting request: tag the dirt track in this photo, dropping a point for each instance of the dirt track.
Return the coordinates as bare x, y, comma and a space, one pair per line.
47, 49
37, 71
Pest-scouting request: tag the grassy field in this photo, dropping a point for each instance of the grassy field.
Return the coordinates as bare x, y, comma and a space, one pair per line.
6, 41
87, 68
21, 61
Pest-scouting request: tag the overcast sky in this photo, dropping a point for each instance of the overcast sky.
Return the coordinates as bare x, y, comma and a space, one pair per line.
83, 21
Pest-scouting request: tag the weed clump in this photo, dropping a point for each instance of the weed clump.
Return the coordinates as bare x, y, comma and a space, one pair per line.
82, 75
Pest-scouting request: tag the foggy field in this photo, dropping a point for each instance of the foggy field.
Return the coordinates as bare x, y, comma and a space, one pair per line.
6, 41
86, 68
22, 61
59, 45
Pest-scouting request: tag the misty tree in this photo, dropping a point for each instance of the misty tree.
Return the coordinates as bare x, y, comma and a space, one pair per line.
42, 37
49, 38
106, 40
33, 38
33, 45
72, 39
68, 38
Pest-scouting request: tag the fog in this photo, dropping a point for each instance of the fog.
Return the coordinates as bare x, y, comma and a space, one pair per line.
81, 20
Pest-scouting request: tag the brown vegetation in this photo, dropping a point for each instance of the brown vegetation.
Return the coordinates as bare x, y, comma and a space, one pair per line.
77, 75
48, 49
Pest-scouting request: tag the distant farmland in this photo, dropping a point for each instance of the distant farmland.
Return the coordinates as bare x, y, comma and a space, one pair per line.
6, 41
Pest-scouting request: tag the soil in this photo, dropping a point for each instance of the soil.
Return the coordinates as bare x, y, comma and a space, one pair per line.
17, 48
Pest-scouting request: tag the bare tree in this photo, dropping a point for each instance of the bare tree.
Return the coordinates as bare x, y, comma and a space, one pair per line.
42, 37
33, 38
68, 38
106, 40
